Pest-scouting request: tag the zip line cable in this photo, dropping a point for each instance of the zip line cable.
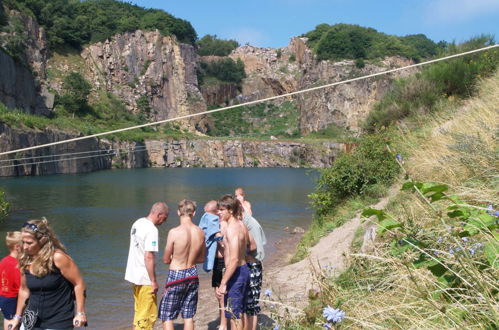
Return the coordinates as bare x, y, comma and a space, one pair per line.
250, 102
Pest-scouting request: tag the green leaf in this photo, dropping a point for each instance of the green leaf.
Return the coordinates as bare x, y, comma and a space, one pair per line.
491, 251
380, 214
388, 224
434, 191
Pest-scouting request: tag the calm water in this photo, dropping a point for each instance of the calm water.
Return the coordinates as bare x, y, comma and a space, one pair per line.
92, 214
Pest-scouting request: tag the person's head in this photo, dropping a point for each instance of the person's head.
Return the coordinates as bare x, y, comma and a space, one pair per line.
39, 243
13, 241
239, 192
229, 206
159, 213
186, 208
211, 207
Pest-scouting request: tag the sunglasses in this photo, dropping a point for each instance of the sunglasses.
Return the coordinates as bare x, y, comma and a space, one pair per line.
31, 226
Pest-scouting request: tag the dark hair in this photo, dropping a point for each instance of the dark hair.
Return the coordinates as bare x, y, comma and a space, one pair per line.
232, 204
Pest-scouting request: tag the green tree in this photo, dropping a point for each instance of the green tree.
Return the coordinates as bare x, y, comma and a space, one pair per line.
75, 93
211, 45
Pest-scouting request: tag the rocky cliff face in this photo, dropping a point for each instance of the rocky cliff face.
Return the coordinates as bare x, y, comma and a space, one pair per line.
21, 80
147, 64
274, 72
94, 154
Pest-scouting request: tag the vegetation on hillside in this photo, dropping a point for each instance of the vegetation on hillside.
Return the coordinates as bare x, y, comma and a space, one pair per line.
346, 41
435, 263
224, 70
76, 23
4, 205
257, 121
420, 94
211, 45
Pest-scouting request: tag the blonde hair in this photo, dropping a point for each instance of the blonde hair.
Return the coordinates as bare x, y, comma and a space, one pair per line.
12, 239
187, 207
43, 262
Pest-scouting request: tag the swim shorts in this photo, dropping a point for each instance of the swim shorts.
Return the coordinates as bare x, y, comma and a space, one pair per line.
180, 295
145, 307
236, 292
255, 286
8, 306
218, 272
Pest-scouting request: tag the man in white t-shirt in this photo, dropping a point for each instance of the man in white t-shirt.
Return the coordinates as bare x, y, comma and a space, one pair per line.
140, 268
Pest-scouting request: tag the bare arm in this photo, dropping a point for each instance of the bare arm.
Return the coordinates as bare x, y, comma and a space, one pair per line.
168, 253
71, 272
202, 252
231, 266
150, 262
252, 242
22, 297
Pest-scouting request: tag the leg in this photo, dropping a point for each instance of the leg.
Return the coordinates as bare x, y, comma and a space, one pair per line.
221, 307
168, 325
188, 324
236, 324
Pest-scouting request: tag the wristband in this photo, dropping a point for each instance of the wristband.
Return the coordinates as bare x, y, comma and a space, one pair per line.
80, 314
17, 317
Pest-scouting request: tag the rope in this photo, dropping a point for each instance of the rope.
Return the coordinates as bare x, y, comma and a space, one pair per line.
251, 102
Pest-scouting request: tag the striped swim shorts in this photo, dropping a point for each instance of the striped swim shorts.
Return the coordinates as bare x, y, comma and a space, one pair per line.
180, 295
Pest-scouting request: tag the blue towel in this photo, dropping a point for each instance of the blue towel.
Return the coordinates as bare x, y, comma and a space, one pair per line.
210, 225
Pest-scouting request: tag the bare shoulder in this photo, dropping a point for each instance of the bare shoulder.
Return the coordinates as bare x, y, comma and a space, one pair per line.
61, 258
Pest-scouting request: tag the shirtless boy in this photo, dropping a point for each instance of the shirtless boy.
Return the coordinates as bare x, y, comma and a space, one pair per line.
184, 249
234, 283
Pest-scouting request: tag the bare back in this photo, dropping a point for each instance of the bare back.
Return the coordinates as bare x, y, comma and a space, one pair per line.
185, 246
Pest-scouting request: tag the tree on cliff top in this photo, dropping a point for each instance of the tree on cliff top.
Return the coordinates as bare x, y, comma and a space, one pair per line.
211, 45
75, 23
347, 41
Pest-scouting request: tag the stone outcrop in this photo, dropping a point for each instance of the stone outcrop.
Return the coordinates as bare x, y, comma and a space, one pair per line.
21, 79
20, 90
146, 64
93, 154
241, 153
273, 72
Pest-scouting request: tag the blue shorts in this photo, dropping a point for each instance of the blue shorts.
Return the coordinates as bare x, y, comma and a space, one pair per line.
8, 307
180, 295
237, 288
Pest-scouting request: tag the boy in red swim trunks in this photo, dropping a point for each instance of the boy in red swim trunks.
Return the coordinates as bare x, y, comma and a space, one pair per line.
10, 276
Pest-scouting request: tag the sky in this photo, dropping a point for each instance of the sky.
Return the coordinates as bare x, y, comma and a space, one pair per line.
272, 23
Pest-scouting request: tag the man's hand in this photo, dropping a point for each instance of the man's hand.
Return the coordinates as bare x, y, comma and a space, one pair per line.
154, 287
221, 290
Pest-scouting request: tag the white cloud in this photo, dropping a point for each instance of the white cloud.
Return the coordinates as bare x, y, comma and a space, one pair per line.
459, 10
248, 35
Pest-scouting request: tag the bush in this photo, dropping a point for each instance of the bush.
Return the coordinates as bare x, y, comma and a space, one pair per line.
4, 206
211, 45
346, 41
75, 93
420, 94
353, 174
226, 70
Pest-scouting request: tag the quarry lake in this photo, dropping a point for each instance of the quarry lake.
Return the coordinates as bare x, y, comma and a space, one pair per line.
92, 214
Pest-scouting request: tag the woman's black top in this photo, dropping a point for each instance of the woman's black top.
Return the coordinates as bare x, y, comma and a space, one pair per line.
52, 299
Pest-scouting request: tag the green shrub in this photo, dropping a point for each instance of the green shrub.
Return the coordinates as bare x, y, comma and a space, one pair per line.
347, 41
211, 45
75, 94
226, 70
355, 173
4, 206
420, 94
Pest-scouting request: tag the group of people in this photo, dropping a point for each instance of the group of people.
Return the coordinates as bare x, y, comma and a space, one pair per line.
42, 288
228, 241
